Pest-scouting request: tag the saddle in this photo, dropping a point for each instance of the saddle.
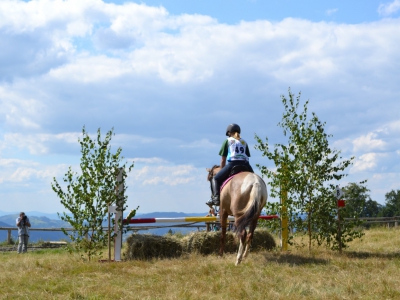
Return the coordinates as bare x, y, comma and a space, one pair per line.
238, 169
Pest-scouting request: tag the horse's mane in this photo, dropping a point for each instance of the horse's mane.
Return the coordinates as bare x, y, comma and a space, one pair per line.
211, 172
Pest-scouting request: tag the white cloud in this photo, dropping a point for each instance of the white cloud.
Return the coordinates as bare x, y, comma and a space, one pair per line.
28, 173
200, 143
368, 142
365, 162
293, 50
12, 162
37, 144
164, 174
87, 69
19, 110
387, 9
332, 11
151, 160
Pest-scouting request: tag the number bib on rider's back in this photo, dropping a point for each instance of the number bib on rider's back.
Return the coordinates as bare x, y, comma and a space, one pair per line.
236, 149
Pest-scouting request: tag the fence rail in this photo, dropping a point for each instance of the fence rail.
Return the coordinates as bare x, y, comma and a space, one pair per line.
376, 220
130, 228
9, 229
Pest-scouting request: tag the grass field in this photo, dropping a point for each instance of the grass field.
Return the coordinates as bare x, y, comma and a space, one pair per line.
369, 269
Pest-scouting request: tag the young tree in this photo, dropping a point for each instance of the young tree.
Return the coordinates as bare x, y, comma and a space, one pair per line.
306, 168
392, 200
88, 194
359, 203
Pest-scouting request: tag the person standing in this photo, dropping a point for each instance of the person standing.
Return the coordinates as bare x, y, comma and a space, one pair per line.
23, 225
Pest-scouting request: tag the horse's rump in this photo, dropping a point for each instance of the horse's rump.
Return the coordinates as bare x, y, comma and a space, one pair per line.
248, 197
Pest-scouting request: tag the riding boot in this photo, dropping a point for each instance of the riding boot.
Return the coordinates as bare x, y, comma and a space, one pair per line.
215, 189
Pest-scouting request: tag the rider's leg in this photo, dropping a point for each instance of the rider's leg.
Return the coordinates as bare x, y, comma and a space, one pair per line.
215, 190
216, 183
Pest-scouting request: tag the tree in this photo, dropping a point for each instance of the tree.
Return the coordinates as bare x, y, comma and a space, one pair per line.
359, 203
87, 195
306, 168
392, 200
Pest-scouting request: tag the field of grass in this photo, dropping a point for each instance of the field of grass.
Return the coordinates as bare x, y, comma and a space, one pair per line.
369, 269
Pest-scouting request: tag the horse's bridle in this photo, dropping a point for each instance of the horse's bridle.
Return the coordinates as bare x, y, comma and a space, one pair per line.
211, 173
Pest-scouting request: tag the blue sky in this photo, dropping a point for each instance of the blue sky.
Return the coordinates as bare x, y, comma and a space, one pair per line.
169, 76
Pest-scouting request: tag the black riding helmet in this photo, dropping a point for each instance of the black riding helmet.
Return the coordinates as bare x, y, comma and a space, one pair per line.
233, 128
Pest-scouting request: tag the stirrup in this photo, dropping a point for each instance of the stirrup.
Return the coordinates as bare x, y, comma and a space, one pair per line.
210, 203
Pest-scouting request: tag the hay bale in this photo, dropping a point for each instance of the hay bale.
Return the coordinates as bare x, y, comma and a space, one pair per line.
262, 240
205, 243
146, 246
209, 242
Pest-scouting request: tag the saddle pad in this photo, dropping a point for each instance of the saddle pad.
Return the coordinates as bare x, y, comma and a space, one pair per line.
226, 181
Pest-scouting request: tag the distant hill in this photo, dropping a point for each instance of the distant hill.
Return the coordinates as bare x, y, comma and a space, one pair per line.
53, 216
2, 224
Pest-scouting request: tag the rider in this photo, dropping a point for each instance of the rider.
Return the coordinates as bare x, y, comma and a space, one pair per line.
234, 151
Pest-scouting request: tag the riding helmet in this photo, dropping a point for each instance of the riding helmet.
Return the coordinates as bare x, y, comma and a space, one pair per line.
233, 128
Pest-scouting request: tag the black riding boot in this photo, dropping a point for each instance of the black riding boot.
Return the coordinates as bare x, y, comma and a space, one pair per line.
215, 189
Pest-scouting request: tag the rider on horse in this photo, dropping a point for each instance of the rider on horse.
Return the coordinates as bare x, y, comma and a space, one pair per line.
234, 152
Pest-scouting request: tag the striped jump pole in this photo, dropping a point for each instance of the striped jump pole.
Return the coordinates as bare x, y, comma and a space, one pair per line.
187, 219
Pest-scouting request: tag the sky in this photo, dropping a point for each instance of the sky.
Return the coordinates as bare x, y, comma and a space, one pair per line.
170, 76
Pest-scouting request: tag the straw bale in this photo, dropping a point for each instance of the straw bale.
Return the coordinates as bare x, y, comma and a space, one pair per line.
205, 243
209, 242
262, 240
146, 246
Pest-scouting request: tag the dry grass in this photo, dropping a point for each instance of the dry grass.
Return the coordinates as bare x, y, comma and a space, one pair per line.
368, 270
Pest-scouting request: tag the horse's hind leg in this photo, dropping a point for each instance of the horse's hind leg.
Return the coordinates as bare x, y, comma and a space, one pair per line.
253, 226
242, 238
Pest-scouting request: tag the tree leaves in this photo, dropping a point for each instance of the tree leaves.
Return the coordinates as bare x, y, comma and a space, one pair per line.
305, 169
88, 194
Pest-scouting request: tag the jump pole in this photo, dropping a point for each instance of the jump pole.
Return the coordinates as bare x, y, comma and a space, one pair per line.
187, 219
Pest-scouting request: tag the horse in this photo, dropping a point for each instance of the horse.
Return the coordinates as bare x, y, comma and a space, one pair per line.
243, 197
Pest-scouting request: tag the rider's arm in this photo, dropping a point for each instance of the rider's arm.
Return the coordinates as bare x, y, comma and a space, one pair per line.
223, 161
247, 151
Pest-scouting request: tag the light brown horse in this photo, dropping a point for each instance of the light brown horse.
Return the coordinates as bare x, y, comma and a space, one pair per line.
243, 197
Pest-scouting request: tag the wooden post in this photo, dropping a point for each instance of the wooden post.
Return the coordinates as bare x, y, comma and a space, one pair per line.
284, 217
339, 236
284, 221
109, 234
119, 216
9, 236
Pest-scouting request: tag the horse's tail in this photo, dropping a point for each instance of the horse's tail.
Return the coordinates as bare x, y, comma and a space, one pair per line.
253, 208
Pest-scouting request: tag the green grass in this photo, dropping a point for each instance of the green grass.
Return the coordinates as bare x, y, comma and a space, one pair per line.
369, 269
